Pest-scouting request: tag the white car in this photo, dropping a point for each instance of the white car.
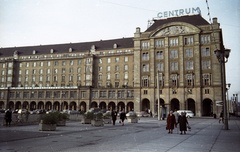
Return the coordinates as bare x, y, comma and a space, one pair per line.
189, 113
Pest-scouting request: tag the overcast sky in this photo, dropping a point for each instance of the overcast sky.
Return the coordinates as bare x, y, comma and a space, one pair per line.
35, 22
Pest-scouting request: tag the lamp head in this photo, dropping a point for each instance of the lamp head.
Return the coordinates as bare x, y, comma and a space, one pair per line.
227, 53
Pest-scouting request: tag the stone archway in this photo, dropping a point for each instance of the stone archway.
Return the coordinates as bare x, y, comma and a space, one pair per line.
33, 105
83, 107
175, 104
207, 109
73, 105
40, 105
2, 106
25, 105
121, 106
145, 105
18, 105
112, 106
48, 106
94, 105
130, 106
64, 105
102, 105
191, 105
11, 105
56, 106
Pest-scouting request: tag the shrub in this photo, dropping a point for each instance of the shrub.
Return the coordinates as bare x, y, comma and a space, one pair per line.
98, 116
88, 115
51, 118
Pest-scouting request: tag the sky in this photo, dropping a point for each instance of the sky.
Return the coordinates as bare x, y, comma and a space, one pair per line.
43, 22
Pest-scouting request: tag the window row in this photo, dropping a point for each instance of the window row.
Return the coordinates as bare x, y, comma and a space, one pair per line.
187, 40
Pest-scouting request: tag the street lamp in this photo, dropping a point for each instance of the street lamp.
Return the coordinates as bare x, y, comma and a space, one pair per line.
158, 93
228, 104
222, 56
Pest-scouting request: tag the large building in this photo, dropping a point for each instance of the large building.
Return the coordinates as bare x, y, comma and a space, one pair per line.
120, 73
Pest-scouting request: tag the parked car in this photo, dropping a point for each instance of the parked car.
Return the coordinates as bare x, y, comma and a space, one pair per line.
22, 111
2, 111
189, 113
143, 114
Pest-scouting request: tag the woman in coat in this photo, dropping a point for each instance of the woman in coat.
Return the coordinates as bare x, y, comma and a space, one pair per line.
114, 116
170, 122
182, 120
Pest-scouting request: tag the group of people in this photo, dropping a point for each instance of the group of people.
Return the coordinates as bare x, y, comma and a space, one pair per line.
122, 117
174, 119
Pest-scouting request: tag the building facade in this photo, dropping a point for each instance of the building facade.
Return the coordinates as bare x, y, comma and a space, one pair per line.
173, 61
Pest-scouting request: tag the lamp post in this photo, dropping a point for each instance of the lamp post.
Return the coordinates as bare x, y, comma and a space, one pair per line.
158, 93
222, 56
228, 104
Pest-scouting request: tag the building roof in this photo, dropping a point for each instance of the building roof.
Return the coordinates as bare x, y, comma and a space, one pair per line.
191, 19
64, 48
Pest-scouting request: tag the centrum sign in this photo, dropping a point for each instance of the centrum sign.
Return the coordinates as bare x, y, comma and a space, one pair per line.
179, 12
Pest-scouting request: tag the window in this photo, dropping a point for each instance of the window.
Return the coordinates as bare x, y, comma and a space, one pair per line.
40, 78
55, 63
159, 43
206, 64
173, 54
174, 79
145, 67
145, 81
173, 42
125, 59
189, 80
189, 52
100, 60
174, 66
78, 70
34, 71
189, 65
71, 78
145, 92
63, 63
117, 59
205, 51
55, 71
145, 45
117, 68
27, 64
100, 77
78, 78
108, 68
126, 75
71, 62
188, 40
26, 72
34, 64
125, 67
99, 69
48, 71
116, 76
109, 60
41, 64
116, 84
160, 67
63, 70
108, 76
205, 39
145, 56
70, 70
48, 63
63, 78
79, 62
20, 72
207, 78
206, 91
159, 55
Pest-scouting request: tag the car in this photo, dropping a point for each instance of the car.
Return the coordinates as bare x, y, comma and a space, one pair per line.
131, 113
143, 114
22, 111
2, 111
189, 113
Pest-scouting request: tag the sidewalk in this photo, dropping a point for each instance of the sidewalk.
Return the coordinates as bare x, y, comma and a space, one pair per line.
207, 135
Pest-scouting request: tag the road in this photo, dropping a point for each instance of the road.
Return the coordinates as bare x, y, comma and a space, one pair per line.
148, 135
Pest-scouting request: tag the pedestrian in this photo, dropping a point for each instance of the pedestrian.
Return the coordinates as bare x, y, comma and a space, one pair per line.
170, 122
221, 117
182, 120
114, 116
27, 115
122, 117
176, 114
8, 117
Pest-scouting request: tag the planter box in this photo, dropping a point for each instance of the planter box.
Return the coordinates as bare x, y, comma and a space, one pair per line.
132, 120
86, 121
61, 123
47, 127
107, 121
97, 123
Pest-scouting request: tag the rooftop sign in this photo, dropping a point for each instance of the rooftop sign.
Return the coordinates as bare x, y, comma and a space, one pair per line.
179, 12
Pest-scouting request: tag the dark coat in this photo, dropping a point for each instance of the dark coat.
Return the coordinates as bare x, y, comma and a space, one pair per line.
114, 115
182, 120
170, 121
8, 116
122, 116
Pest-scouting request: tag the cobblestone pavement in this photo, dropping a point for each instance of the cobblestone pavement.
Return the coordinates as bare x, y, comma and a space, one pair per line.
206, 135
